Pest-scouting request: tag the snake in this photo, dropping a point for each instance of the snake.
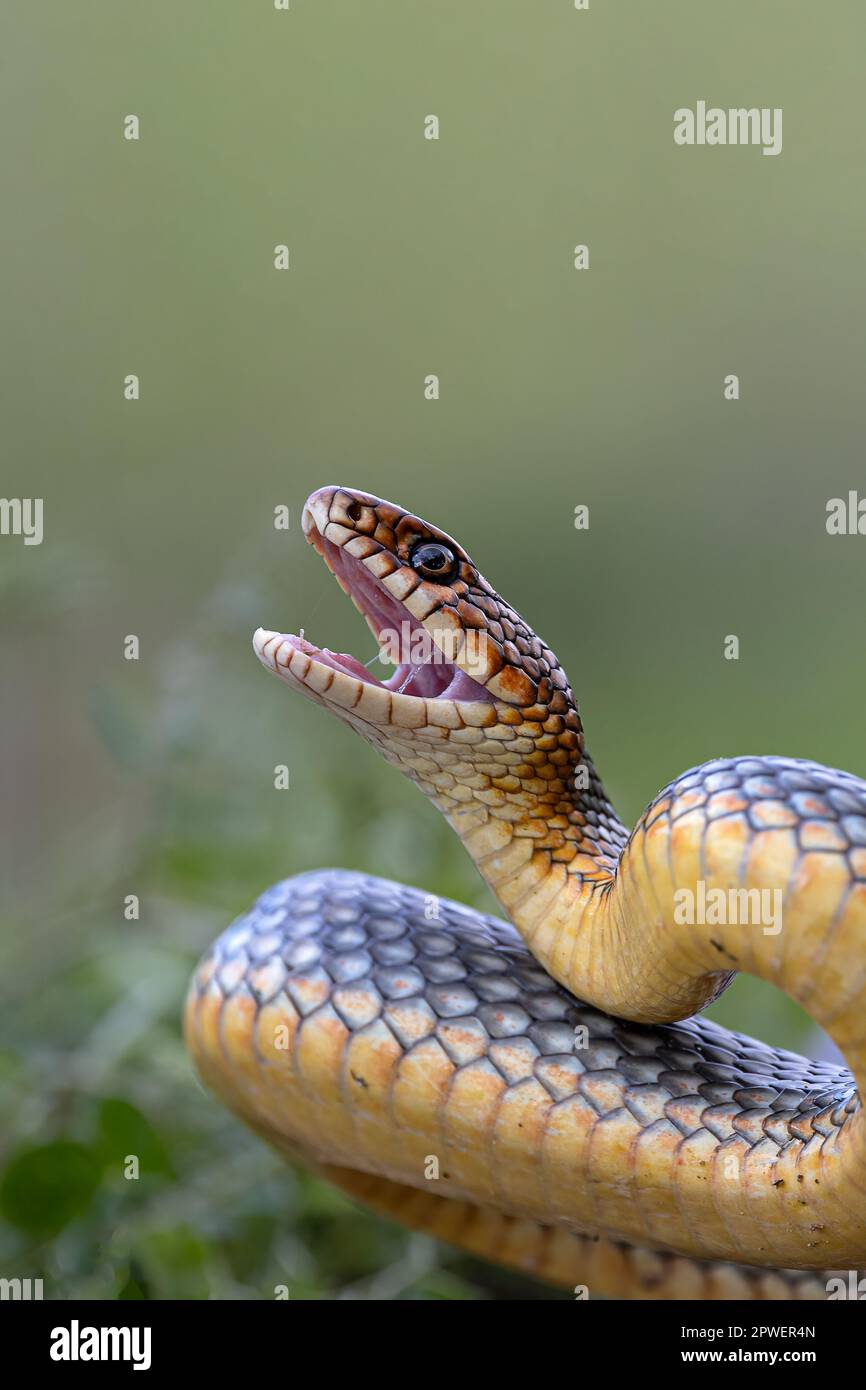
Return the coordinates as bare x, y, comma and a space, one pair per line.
542, 1091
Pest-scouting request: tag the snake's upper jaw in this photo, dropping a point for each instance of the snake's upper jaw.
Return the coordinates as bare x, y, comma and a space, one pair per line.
437, 669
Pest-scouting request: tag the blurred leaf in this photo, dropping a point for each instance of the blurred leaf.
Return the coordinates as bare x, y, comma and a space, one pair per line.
46, 1187
122, 1130
132, 1284
439, 1283
176, 1261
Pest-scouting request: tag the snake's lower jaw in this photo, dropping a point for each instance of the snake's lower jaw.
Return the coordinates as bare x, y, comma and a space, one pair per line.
323, 676
338, 682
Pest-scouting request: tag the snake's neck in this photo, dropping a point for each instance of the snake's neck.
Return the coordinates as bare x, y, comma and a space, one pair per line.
547, 853
526, 800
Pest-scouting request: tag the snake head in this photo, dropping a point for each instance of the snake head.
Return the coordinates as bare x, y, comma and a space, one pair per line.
465, 661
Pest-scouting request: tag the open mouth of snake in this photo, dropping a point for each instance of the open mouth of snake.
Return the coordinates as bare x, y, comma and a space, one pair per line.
421, 668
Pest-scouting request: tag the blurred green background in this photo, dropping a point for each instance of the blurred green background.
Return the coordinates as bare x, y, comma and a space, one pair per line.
558, 387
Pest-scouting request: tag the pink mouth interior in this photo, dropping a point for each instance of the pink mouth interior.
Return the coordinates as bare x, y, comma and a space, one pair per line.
435, 679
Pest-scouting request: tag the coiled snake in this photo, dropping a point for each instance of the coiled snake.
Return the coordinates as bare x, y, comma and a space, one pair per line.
525, 1090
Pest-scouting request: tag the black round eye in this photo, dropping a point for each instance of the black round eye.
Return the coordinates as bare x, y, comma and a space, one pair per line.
435, 561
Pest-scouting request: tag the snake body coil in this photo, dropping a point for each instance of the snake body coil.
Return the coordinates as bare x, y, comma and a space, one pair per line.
526, 1091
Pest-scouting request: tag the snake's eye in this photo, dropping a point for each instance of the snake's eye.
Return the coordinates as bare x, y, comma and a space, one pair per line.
435, 561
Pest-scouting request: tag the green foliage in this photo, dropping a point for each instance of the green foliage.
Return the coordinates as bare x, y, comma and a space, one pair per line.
122, 1130
49, 1185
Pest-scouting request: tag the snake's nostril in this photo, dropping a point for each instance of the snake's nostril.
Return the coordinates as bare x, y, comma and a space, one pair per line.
354, 511
317, 510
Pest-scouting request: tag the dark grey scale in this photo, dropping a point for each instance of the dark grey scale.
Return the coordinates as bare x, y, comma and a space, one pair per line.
392, 952
344, 911
373, 951
264, 946
761, 788
435, 943
678, 1083
399, 982
601, 1056
786, 1099
386, 928
855, 828
504, 1020
683, 784
300, 955
721, 781
750, 767
547, 1007
845, 801
599, 1025
755, 1097
484, 961
533, 977
383, 904
348, 966
444, 971
716, 1094
639, 1071
451, 1001
494, 989
345, 938
552, 1037
237, 935
722, 1055
799, 779
680, 1057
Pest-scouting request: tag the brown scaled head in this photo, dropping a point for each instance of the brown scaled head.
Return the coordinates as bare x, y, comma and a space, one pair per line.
464, 659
